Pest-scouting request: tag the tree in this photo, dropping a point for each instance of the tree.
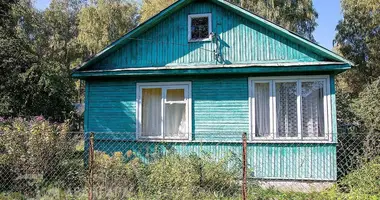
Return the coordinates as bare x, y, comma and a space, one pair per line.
15, 57
296, 15
367, 106
5, 11
104, 21
32, 83
61, 27
39, 49
152, 7
358, 39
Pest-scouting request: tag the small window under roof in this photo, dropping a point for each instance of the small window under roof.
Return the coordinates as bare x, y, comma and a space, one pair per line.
199, 27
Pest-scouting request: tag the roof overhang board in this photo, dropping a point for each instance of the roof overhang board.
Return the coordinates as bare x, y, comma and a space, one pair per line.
333, 69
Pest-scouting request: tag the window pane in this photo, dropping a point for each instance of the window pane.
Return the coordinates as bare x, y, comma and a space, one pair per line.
286, 109
175, 123
151, 112
199, 28
262, 118
312, 109
175, 95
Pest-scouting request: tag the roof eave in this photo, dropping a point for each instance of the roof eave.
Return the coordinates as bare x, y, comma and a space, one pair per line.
331, 69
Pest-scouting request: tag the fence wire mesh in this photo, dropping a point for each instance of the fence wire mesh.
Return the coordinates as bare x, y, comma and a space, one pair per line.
64, 165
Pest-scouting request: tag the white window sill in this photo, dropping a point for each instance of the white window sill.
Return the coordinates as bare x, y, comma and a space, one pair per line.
221, 142
200, 40
235, 141
163, 140
292, 141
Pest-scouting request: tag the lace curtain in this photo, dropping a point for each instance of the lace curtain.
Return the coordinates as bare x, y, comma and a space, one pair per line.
312, 109
286, 104
286, 109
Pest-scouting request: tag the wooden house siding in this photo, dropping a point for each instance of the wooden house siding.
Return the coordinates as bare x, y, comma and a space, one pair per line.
219, 106
220, 115
241, 41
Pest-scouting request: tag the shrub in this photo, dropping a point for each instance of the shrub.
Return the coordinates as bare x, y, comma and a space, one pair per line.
356, 149
365, 180
367, 106
171, 177
167, 177
57, 193
218, 177
188, 177
36, 153
12, 196
114, 178
255, 192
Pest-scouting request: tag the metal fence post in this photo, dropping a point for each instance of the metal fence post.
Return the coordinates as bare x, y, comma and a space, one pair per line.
244, 183
90, 167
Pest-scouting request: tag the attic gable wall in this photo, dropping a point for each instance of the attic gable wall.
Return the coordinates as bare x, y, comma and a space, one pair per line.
241, 41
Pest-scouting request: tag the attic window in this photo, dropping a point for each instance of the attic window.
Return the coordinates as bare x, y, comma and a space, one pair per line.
199, 27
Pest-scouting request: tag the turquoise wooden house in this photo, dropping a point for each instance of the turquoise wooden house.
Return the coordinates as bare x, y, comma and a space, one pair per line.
200, 73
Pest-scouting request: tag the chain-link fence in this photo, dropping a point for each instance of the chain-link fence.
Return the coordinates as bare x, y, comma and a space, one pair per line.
117, 166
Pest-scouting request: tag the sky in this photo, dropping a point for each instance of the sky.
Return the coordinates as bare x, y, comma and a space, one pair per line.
329, 14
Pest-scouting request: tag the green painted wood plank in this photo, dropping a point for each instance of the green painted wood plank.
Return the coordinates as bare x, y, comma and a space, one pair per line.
220, 70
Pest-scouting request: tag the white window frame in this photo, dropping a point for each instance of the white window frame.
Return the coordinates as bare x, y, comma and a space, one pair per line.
164, 86
272, 107
192, 16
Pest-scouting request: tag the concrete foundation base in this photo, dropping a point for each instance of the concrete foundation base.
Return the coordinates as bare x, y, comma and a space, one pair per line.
295, 185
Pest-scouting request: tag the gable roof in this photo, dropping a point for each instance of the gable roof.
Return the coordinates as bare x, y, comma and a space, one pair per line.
229, 6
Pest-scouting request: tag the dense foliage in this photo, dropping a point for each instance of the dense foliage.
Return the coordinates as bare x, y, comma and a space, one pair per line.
37, 153
40, 48
37, 51
358, 39
367, 105
295, 15
191, 176
166, 177
152, 7
365, 180
103, 21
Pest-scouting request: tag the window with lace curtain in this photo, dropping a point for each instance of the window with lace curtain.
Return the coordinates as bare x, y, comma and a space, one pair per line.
163, 110
290, 108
